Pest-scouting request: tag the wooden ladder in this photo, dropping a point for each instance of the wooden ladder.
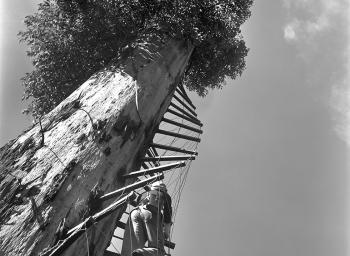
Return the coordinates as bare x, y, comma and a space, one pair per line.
180, 116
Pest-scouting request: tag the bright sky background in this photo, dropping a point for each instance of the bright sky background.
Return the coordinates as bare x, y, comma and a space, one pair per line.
272, 173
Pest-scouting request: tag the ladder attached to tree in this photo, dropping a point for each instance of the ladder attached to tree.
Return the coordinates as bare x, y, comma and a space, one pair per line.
173, 148
167, 158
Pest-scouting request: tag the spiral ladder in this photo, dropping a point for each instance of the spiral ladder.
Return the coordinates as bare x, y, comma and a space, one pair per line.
168, 158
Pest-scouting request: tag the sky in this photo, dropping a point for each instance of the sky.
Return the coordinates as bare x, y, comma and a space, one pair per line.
271, 177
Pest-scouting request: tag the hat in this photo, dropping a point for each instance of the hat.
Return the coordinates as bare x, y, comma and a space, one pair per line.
159, 185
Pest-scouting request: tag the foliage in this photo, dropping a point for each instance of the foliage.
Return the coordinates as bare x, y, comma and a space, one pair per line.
69, 40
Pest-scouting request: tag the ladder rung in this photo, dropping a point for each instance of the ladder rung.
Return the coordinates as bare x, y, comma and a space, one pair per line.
160, 168
192, 120
182, 103
182, 89
109, 253
179, 135
145, 166
121, 238
155, 151
120, 224
190, 115
164, 119
169, 244
175, 149
168, 158
151, 154
185, 97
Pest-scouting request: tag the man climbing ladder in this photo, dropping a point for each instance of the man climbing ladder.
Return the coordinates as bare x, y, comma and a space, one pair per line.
149, 222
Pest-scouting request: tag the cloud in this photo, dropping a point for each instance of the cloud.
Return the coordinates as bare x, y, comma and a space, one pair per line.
307, 18
340, 101
319, 30
290, 31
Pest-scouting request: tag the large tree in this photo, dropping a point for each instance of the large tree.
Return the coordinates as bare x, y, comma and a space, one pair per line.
69, 40
132, 55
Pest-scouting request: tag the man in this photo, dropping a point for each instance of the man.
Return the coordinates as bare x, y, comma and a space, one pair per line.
150, 222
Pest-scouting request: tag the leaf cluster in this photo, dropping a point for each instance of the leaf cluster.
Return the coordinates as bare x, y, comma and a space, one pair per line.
69, 40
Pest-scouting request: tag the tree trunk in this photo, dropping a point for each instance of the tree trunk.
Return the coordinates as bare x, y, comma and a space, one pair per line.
55, 169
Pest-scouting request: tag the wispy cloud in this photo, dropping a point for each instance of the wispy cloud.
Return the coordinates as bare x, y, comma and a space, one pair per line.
307, 18
340, 101
290, 30
319, 28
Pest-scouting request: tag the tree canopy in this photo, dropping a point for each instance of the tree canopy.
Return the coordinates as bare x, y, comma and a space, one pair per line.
69, 40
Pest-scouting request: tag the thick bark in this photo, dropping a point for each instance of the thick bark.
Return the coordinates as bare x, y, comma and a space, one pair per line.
86, 143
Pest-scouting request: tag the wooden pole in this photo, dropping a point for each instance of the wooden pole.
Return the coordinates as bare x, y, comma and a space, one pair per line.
168, 158
153, 170
131, 187
77, 231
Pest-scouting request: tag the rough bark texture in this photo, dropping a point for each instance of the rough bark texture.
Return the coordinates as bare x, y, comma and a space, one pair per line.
85, 145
